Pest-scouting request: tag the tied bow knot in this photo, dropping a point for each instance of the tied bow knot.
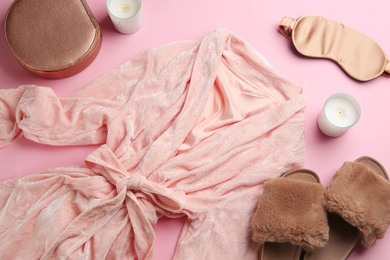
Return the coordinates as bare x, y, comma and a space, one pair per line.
134, 182
142, 207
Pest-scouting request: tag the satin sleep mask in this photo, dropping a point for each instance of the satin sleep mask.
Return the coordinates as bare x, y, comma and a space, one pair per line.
319, 37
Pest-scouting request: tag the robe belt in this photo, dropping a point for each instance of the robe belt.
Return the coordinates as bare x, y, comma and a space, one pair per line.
141, 196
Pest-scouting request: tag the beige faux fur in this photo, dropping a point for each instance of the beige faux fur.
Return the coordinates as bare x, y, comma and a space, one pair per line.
292, 211
362, 198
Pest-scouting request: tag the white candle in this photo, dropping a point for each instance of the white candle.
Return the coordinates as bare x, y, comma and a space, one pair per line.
339, 113
126, 15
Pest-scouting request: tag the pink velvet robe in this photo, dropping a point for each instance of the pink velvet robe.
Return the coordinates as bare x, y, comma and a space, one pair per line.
191, 129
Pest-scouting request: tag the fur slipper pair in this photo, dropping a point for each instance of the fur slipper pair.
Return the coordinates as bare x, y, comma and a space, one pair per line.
297, 218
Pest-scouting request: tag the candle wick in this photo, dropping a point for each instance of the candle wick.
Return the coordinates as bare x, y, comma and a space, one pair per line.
125, 8
341, 112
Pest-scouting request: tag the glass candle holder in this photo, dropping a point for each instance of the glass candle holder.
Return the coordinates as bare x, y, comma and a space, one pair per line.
340, 112
126, 15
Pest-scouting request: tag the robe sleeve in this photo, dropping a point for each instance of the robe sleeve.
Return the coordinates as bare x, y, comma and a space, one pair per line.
82, 118
9, 99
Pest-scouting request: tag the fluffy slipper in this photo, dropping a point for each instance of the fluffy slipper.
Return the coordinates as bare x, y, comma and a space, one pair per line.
290, 216
358, 199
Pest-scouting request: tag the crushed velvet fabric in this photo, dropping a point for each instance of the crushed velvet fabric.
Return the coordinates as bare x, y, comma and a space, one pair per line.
190, 128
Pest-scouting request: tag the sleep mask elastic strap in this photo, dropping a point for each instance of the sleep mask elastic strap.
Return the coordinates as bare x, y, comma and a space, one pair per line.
386, 73
286, 26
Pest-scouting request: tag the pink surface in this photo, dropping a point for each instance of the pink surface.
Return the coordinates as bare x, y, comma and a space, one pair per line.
256, 22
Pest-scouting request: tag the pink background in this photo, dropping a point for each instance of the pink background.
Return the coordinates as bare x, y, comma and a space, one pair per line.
255, 21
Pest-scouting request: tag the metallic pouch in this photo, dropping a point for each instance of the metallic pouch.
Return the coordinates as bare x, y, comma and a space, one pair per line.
52, 38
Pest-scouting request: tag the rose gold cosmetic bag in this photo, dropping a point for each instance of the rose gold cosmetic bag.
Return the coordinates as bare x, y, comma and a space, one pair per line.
52, 38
